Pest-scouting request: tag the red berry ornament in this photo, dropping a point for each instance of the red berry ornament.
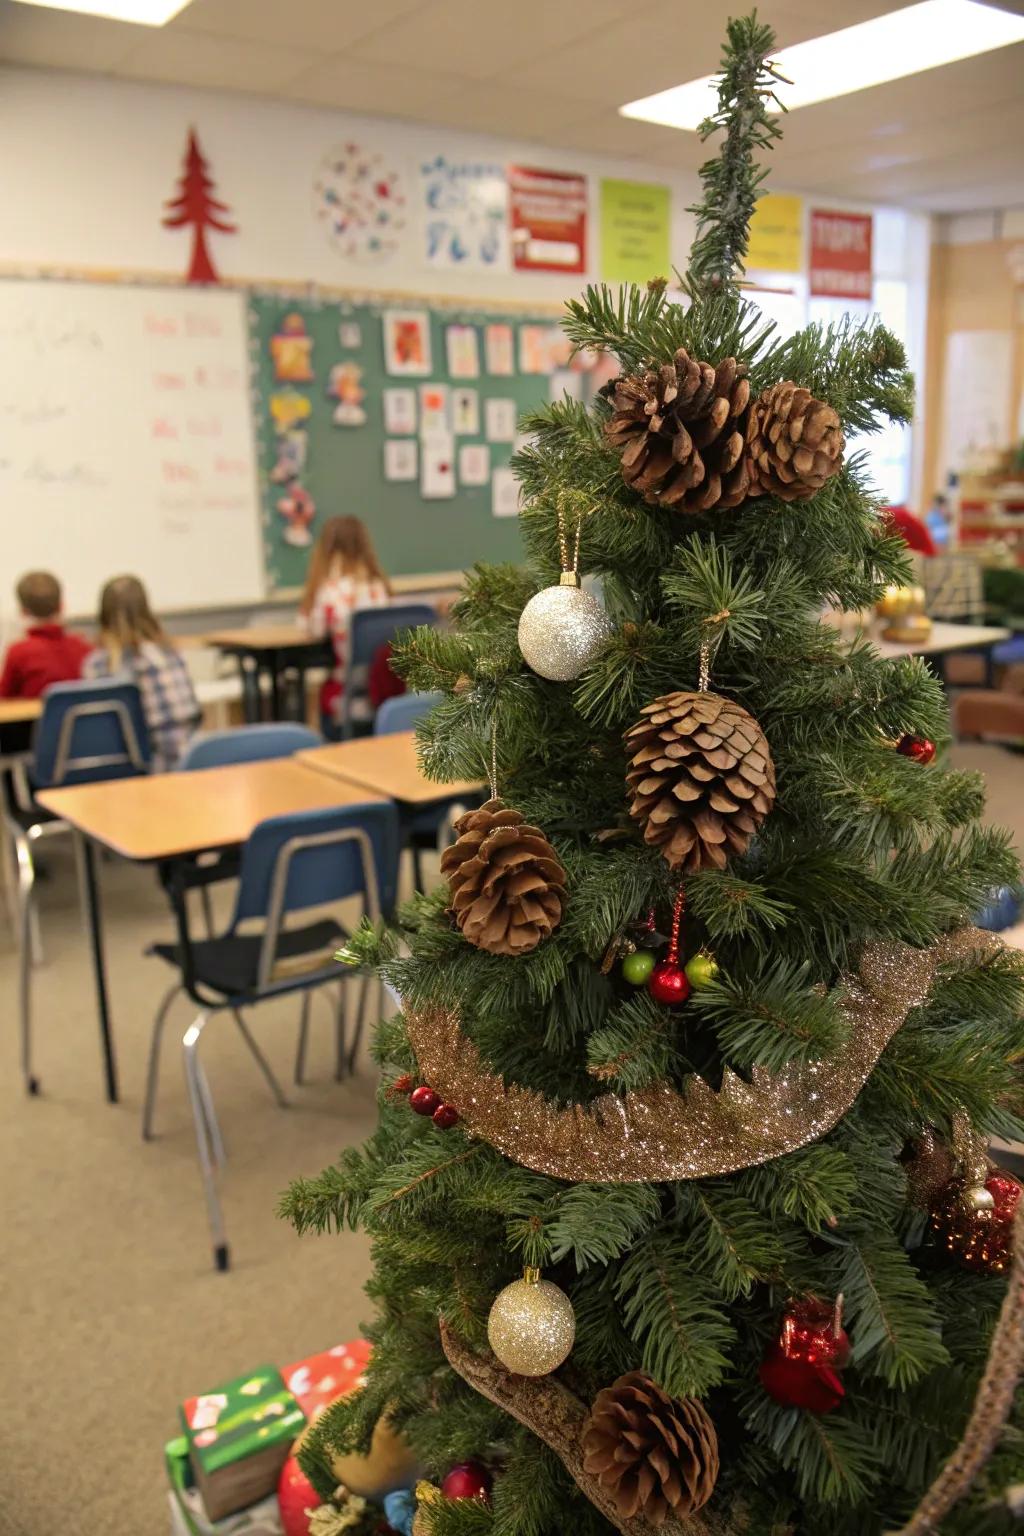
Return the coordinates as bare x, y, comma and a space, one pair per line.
424, 1100
800, 1386
918, 748
668, 982
469, 1480
445, 1116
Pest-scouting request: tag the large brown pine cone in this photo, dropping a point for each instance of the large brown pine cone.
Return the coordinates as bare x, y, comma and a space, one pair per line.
701, 778
794, 443
657, 1456
680, 431
505, 879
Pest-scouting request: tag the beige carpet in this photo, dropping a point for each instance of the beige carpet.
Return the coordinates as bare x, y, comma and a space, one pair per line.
111, 1312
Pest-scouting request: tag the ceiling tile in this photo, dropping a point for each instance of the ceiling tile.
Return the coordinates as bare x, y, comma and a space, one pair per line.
465, 37
197, 58
317, 24
61, 39
356, 86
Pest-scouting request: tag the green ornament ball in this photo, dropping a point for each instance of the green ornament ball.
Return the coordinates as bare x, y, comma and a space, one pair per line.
701, 970
637, 967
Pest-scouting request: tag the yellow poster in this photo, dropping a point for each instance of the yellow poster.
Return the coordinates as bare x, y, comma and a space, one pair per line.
777, 234
636, 220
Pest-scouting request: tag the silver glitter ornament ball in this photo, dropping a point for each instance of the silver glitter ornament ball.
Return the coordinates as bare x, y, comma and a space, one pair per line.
560, 631
531, 1326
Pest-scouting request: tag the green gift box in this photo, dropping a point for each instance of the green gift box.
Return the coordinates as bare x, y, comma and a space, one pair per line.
239, 1436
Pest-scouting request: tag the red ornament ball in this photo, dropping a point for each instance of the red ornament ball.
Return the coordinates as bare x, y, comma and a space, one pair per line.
295, 1494
918, 748
468, 1480
445, 1116
668, 983
795, 1384
424, 1100
810, 1334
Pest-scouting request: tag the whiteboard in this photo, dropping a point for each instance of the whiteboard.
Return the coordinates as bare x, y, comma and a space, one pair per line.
126, 442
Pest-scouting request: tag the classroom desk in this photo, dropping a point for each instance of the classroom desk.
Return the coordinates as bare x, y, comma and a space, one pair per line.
387, 765
19, 711
271, 648
166, 818
944, 639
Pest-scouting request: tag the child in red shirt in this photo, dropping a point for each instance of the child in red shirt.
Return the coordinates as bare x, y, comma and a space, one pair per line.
49, 653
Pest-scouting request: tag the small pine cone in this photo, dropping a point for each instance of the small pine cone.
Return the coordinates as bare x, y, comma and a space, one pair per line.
680, 431
655, 1455
794, 443
701, 778
505, 879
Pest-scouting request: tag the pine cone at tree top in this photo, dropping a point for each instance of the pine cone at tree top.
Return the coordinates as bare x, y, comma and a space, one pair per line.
701, 778
794, 443
655, 1455
506, 880
680, 431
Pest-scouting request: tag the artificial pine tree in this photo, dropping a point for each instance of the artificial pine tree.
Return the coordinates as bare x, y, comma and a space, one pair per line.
699, 1182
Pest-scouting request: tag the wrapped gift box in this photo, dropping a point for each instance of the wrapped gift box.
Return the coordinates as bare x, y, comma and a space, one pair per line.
239, 1436
189, 1517
320, 1379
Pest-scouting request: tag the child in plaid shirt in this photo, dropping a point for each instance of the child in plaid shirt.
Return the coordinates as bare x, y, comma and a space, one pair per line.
133, 644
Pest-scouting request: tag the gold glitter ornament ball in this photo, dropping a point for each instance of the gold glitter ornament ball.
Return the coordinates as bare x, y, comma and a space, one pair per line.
532, 1326
561, 629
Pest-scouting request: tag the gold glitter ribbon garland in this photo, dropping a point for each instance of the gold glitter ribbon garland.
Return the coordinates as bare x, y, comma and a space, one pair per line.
992, 1402
658, 1133
556, 1416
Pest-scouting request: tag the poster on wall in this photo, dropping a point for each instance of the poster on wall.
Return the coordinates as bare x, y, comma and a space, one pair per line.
500, 421
776, 234
401, 459
462, 346
499, 350
399, 410
437, 467
407, 342
360, 202
465, 412
636, 219
536, 349
548, 215
840, 266
504, 494
434, 401
474, 464
465, 214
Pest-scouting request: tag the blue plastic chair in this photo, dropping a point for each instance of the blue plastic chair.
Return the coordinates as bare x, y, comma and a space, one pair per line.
290, 863
247, 744
369, 629
87, 731
429, 828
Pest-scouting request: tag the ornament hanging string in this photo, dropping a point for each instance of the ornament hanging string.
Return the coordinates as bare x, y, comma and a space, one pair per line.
492, 774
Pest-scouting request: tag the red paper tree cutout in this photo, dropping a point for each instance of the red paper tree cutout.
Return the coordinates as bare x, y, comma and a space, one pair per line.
196, 205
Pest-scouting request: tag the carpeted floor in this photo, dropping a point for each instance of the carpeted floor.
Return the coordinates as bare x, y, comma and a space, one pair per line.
111, 1312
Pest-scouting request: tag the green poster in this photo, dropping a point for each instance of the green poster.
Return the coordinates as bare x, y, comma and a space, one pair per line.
635, 222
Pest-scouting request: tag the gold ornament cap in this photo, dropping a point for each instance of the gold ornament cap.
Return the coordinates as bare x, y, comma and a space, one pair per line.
569, 579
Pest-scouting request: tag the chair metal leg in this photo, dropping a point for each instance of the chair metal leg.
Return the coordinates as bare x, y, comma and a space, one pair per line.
26, 881
364, 993
207, 906
340, 1033
261, 1060
220, 1156
300, 1049
194, 1083
153, 1069
417, 866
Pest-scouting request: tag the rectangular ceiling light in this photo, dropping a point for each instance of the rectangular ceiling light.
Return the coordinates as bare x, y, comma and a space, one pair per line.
147, 13
901, 43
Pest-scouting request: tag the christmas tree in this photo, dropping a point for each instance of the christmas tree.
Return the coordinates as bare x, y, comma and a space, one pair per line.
697, 1025
195, 204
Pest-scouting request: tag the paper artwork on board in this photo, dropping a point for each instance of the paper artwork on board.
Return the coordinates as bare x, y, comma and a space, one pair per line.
288, 409
437, 467
463, 348
465, 214
536, 348
504, 494
566, 381
298, 510
401, 459
434, 404
465, 412
499, 350
500, 421
407, 342
291, 448
360, 202
474, 464
399, 411
350, 335
344, 384
291, 351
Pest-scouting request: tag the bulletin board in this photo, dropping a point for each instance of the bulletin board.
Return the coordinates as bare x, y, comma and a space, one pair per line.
322, 378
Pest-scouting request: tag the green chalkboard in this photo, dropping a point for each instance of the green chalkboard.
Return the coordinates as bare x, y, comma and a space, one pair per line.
341, 468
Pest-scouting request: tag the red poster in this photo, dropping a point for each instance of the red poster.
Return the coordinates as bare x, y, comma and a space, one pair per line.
548, 219
840, 255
